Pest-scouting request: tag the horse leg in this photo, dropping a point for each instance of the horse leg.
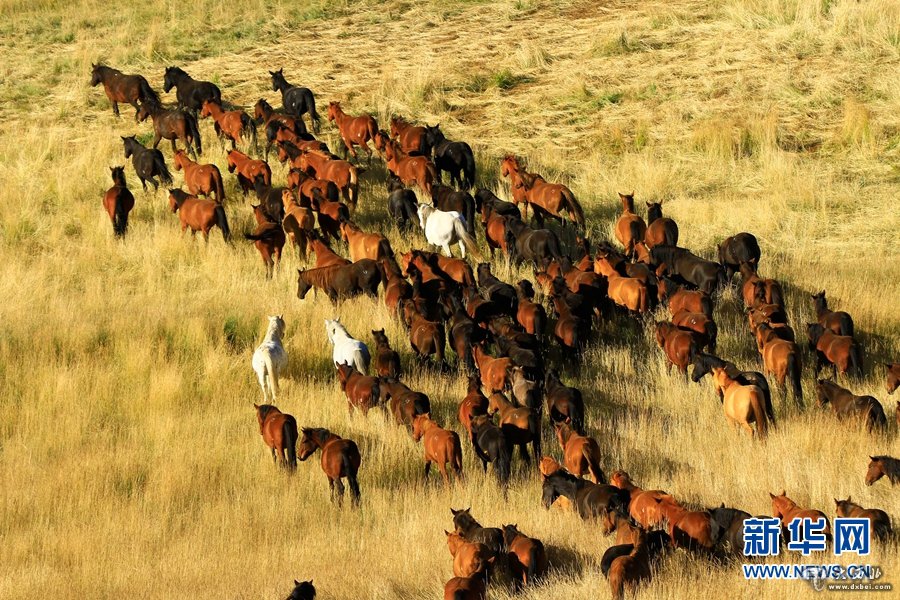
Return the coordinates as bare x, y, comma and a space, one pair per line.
281, 456
274, 458
427, 470
446, 249
339, 485
443, 469
523, 448
331, 485
116, 109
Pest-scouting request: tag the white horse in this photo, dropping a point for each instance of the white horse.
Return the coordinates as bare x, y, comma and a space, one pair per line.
270, 358
347, 350
443, 228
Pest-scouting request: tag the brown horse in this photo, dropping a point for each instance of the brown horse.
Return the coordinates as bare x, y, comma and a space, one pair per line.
470, 559
581, 454
411, 138
892, 379
411, 170
493, 371
699, 323
529, 314
552, 198
330, 215
520, 425
879, 466
644, 505
405, 404
269, 239
233, 125
308, 187
681, 298
340, 282
690, 529
387, 360
426, 337
880, 522
846, 405
511, 167
527, 557
771, 294
630, 228
118, 201
787, 510
627, 292
661, 231
340, 458
298, 222
743, 404
465, 588
341, 173
276, 123
355, 131
174, 124
363, 244
475, 403
679, 345
279, 432
248, 169
325, 256
199, 214
629, 571
120, 87
839, 322
201, 180
842, 352
781, 358
362, 391
442, 447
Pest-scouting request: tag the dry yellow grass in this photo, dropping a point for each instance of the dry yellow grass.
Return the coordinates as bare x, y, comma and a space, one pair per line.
130, 461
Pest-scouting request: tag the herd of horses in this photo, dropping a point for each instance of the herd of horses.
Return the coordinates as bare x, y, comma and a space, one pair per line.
513, 342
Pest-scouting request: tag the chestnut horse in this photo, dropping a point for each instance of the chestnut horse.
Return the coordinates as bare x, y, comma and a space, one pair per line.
846, 404
325, 256
787, 510
743, 404
442, 447
341, 173
364, 245
629, 571
527, 557
880, 522
279, 432
341, 281
411, 138
581, 454
661, 231
699, 323
892, 379
340, 458
298, 222
679, 345
690, 529
493, 371
630, 228
529, 314
199, 214
118, 201
200, 179
552, 198
681, 298
269, 239
308, 187
411, 170
232, 125
426, 337
839, 322
842, 352
362, 390
880, 466
470, 559
475, 403
387, 360
355, 131
120, 87
628, 292
330, 214
772, 293
248, 169
643, 505
465, 588
172, 125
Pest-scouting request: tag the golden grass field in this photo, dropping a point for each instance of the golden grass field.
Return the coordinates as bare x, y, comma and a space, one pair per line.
130, 459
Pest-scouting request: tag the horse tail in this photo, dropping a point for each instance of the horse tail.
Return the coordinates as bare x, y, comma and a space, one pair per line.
289, 440
222, 222
468, 168
575, 210
793, 372
470, 218
502, 465
220, 187
160, 163
270, 370
643, 299
616, 583
576, 414
460, 229
759, 414
147, 94
594, 469
249, 126
384, 248
555, 251
120, 217
855, 360
875, 417
534, 426
371, 128
313, 114
351, 478
332, 193
194, 132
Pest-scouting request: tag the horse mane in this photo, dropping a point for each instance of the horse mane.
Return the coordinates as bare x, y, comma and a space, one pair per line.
891, 467
180, 196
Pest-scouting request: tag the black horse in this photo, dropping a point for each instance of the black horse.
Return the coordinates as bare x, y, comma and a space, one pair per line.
591, 500
490, 446
303, 590
486, 202
537, 246
472, 531
190, 93
731, 524
736, 249
499, 292
402, 203
705, 363
270, 198
446, 198
707, 275
147, 162
454, 157
296, 101
657, 543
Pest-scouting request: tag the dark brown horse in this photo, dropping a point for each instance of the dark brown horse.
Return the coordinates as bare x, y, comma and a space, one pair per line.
248, 169
275, 122
411, 138
527, 557
118, 201
120, 87
707, 275
405, 404
330, 214
591, 500
190, 92
199, 214
892, 379
269, 239
456, 158
842, 352
387, 360
737, 249
362, 391
879, 520
147, 162
340, 458
564, 404
520, 425
354, 131
172, 125
839, 322
679, 345
661, 231
303, 590
200, 179
846, 404
490, 446
233, 125
881, 466
341, 281
442, 447
630, 571
279, 432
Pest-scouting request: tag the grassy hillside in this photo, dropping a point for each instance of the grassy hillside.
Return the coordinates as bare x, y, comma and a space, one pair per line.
130, 459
